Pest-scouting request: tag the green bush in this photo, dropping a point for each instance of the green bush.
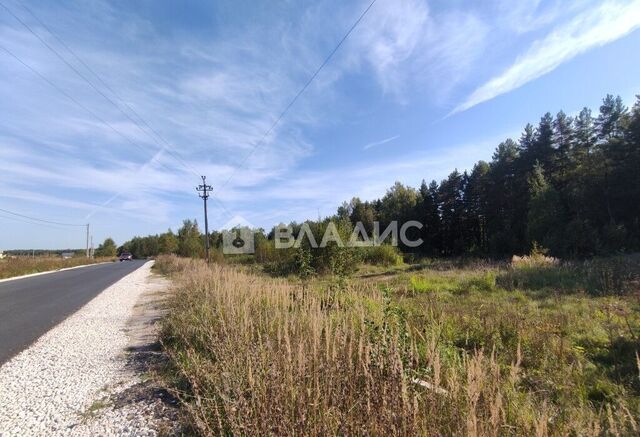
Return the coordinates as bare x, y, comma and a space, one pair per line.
485, 282
561, 278
383, 255
617, 275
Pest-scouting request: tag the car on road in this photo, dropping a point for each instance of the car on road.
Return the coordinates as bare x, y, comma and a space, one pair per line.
125, 256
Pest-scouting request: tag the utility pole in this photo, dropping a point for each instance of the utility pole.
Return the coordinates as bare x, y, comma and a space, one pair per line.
203, 191
87, 240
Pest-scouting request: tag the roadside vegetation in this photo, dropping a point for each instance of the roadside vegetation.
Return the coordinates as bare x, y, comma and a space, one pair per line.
518, 315
438, 347
18, 266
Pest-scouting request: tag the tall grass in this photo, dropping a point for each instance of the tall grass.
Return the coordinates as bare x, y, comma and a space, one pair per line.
11, 267
616, 275
260, 356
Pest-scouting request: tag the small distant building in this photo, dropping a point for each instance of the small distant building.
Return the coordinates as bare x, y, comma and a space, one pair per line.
66, 255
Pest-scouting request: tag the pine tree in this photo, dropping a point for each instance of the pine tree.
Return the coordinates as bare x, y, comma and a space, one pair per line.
545, 217
564, 142
611, 118
450, 196
476, 208
505, 203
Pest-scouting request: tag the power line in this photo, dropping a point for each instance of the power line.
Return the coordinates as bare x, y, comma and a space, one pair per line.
168, 148
83, 77
28, 222
122, 101
85, 108
40, 220
93, 114
19, 220
295, 98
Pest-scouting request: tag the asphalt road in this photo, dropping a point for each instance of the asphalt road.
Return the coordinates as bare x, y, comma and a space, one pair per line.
29, 307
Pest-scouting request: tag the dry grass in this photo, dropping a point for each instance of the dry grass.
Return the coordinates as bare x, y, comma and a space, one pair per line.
260, 356
11, 267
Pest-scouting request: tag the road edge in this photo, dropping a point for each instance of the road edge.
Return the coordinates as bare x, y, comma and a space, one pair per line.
14, 278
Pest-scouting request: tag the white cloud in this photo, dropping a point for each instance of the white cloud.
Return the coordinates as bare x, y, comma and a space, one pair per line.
524, 16
593, 28
408, 45
381, 142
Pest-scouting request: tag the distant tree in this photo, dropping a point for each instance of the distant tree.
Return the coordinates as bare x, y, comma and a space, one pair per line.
168, 243
362, 212
398, 204
190, 242
452, 210
543, 149
107, 248
428, 213
611, 118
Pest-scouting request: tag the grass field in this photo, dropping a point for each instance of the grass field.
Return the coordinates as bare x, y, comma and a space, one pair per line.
534, 347
11, 267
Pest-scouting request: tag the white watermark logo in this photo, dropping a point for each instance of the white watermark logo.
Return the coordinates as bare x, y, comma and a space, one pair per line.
285, 238
238, 237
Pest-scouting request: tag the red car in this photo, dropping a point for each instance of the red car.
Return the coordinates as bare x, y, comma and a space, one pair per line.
125, 256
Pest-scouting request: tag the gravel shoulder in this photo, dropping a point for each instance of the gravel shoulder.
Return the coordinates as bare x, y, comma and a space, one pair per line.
90, 374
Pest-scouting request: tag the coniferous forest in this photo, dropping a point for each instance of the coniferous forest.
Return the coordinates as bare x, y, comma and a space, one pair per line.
570, 184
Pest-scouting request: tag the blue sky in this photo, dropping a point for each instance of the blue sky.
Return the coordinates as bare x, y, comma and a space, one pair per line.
418, 89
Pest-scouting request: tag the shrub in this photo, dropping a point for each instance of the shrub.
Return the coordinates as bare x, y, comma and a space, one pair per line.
331, 259
599, 276
383, 255
616, 275
484, 282
536, 277
537, 258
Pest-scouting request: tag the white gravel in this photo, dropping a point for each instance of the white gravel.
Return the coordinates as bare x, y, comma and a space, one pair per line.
55, 386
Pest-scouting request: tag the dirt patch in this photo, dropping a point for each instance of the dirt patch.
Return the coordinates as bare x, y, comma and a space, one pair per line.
145, 357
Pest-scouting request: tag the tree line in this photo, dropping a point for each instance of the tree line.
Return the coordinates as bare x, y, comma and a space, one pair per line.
570, 184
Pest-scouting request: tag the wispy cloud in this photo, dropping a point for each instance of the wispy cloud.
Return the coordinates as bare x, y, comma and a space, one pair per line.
381, 142
528, 15
408, 45
593, 28
304, 192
